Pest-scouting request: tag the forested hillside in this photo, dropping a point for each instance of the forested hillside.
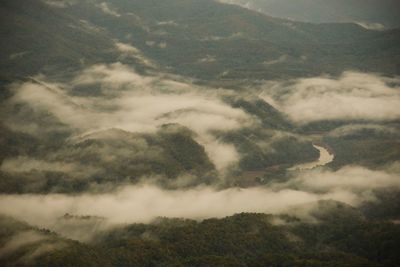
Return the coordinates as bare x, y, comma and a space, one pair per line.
199, 133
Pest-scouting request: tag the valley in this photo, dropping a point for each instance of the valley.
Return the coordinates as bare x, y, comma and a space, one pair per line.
325, 157
198, 133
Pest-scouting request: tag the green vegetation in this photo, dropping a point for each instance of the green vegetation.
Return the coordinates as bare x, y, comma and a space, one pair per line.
325, 11
341, 237
372, 148
38, 38
47, 148
179, 34
109, 158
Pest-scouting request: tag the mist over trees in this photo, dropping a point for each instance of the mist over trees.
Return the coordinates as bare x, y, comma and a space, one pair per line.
199, 133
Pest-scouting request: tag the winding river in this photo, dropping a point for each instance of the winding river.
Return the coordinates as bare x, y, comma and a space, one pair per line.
324, 158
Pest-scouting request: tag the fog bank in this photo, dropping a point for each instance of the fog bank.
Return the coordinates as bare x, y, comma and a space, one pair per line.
142, 203
352, 96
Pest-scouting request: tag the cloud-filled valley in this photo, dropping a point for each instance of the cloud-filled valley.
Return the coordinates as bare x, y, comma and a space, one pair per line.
197, 133
137, 104
144, 203
128, 101
119, 121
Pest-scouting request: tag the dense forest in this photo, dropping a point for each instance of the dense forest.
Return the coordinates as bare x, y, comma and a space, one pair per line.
199, 133
338, 235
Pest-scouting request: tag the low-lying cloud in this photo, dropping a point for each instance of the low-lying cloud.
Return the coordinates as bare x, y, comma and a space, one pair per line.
107, 9
22, 243
129, 50
381, 130
371, 26
353, 96
24, 164
142, 203
351, 178
133, 103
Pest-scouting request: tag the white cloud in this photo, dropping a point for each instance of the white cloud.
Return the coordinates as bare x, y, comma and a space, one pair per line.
242, 3
112, 75
280, 59
207, 59
60, 3
19, 165
129, 50
351, 178
24, 164
107, 9
162, 45
26, 239
351, 96
143, 203
167, 23
355, 128
50, 98
150, 43
223, 155
137, 104
371, 26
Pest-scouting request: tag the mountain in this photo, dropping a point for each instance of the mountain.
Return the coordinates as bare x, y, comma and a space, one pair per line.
202, 39
36, 37
374, 14
26, 245
204, 42
246, 239
259, 140
111, 158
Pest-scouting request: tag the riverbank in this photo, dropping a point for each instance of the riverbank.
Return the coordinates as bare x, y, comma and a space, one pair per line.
325, 156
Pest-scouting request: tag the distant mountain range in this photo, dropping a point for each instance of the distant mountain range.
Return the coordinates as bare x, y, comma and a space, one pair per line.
116, 112
375, 14
204, 39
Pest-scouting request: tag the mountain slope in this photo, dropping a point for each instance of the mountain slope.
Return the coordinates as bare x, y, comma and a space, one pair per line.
209, 40
201, 39
240, 240
36, 37
374, 13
